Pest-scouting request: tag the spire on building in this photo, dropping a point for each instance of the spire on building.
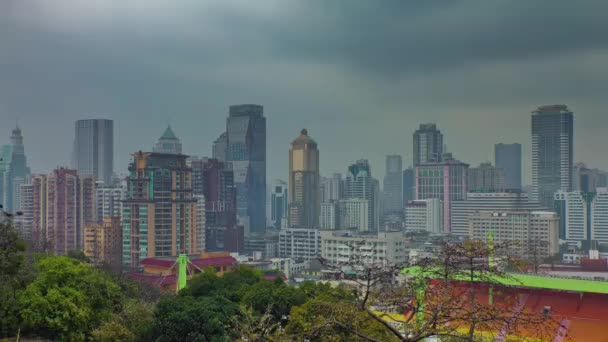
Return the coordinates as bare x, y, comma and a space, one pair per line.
168, 143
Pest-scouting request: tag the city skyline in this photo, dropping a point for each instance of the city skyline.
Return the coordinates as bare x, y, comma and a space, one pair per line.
301, 87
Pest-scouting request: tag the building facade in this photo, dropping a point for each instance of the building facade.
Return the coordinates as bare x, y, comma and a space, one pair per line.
409, 184
359, 184
13, 172
446, 181
428, 144
279, 204
109, 200
94, 149
552, 139
159, 214
393, 184
340, 247
103, 243
332, 188
304, 186
329, 218
246, 150
486, 177
353, 213
583, 215
508, 158
424, 215
26, 220
168, 143
299, 243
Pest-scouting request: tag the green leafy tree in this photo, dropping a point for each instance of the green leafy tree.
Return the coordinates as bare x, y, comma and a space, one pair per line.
274, 296
131, 324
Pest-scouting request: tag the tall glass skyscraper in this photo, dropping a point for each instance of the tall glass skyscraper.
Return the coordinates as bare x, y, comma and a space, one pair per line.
246, 150
552, 133
94, 149
508, 158
428, 144
13, 172
393, 184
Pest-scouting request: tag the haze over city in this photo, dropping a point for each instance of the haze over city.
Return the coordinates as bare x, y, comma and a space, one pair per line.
358, 76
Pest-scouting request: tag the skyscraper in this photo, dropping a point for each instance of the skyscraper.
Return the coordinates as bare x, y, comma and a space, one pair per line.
428, 144
583, 215
13, 172
94, 149
159, 214
409, 185
62, 204
446, 181
552, 136
332, 188
508, 158
486, 177
168, 143
246, 150
304, 196
279, 204
220, 145
360, 184
393, 184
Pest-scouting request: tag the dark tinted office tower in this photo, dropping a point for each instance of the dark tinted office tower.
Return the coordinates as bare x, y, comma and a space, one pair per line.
409, 185
552, 132
94, 149
220, 145
393, 184
428, 144
508, 158
359, 184
246, 150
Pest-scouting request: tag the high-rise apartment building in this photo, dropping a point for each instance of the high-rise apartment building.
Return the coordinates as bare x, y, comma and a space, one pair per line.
168, 143
486, 177
109, 200
552, 138
246, 150
214, 180
535, 233
329, 218
332, 188
583, 215
446, 181
409, 184
25, 221
353, 213
13, 172
424, 215
159, 214
462, 210
62, 204
508, 158
279, 204
103, 243
428, 144
393, 184
94, 149
304, 196
359, 184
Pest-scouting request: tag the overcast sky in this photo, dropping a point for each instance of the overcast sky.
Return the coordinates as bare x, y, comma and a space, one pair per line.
359, 75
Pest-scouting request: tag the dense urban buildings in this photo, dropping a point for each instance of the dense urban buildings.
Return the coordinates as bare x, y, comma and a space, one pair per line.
485, 177
159, 214
62, 204
552, 136
508, 158
359, 184
393, 184
278, 204
109, 200
462, 210
534, 234
103, 243
13, 172
94, 149
246, 150
583, 215
424, 215
409, 184
341, 247
428, 144
303, 193
446, 181
168, 143
332, 188
299, 243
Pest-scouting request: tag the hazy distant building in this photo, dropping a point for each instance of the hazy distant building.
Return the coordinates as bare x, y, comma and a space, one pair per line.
246, 150
354, 213
583, 215
359, 184
168, 143
329, 218
278, 204
508, 158
486, 177
332, 188
424, 215
62, 204
552, 138
159, 213
462, 210
446, 181
220, 146
409, 184
25, 221
304, 196
428, 144
109, 200
94, 149
393, 184
586, 179
13, 172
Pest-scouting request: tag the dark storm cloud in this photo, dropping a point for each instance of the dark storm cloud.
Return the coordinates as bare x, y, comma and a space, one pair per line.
358, 68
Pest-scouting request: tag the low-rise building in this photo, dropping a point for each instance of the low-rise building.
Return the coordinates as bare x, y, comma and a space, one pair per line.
425, 215
339, 247
299, 243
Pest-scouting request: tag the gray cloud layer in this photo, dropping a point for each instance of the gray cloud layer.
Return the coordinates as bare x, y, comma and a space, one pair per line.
360, 75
